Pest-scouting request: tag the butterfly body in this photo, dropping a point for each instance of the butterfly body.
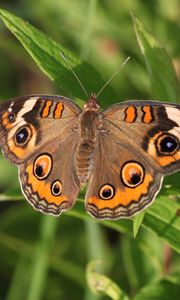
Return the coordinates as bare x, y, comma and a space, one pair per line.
121, 153
90, 120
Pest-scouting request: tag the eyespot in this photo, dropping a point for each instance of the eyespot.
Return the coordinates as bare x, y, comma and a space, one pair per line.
167, 144
11, 117
132, 174
56, 188
106, 192
23, 135
42, 166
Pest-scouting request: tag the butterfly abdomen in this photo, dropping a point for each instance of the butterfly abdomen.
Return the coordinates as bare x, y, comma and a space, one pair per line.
86, 146
84, 160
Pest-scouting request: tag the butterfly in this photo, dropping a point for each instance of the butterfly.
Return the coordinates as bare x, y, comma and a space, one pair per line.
122, 153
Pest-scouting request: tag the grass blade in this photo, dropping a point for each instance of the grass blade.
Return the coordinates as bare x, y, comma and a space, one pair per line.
158, 62
46, 53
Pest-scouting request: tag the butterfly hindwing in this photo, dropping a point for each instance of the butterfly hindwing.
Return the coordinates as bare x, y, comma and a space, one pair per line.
48, 178
123, 182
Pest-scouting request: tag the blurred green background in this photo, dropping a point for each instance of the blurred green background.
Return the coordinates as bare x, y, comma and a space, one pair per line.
42, 257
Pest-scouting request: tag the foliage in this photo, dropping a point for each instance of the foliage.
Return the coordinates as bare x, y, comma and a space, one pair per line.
50, 254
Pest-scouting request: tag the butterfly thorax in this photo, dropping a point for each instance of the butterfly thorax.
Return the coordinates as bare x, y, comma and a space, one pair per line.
89, 122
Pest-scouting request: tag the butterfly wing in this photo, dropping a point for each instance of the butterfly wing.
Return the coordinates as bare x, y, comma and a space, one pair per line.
138, 143
153, 126
39, 133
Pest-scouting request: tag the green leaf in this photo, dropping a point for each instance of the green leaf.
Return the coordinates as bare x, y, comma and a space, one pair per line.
162, 218
99, 283
137, 220
167, 288
64, 267
22, 270
40, 266
46, 53
158, 62
142, 258
78, 210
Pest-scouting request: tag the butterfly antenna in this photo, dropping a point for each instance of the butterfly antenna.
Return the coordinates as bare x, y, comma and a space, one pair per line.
113, 75
68, 64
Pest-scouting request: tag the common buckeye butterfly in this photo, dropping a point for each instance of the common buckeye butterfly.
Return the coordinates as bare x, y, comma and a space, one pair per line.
122, 152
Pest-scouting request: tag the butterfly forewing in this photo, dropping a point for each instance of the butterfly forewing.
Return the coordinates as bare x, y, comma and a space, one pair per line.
152, 126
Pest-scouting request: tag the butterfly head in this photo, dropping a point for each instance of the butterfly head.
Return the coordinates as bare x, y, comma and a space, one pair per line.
92, 103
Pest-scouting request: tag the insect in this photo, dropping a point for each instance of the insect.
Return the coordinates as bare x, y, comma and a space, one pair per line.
122, 152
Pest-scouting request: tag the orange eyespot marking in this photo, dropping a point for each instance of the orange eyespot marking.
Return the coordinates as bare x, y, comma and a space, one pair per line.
147, 116
151, 146
43, 188
167, 144
124, 196
42, 166
21, 141
58, 110
23, 135
11, 117
56, 188
7, 119
130, 114
46, 109
132, 174
106, 192
164, 143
